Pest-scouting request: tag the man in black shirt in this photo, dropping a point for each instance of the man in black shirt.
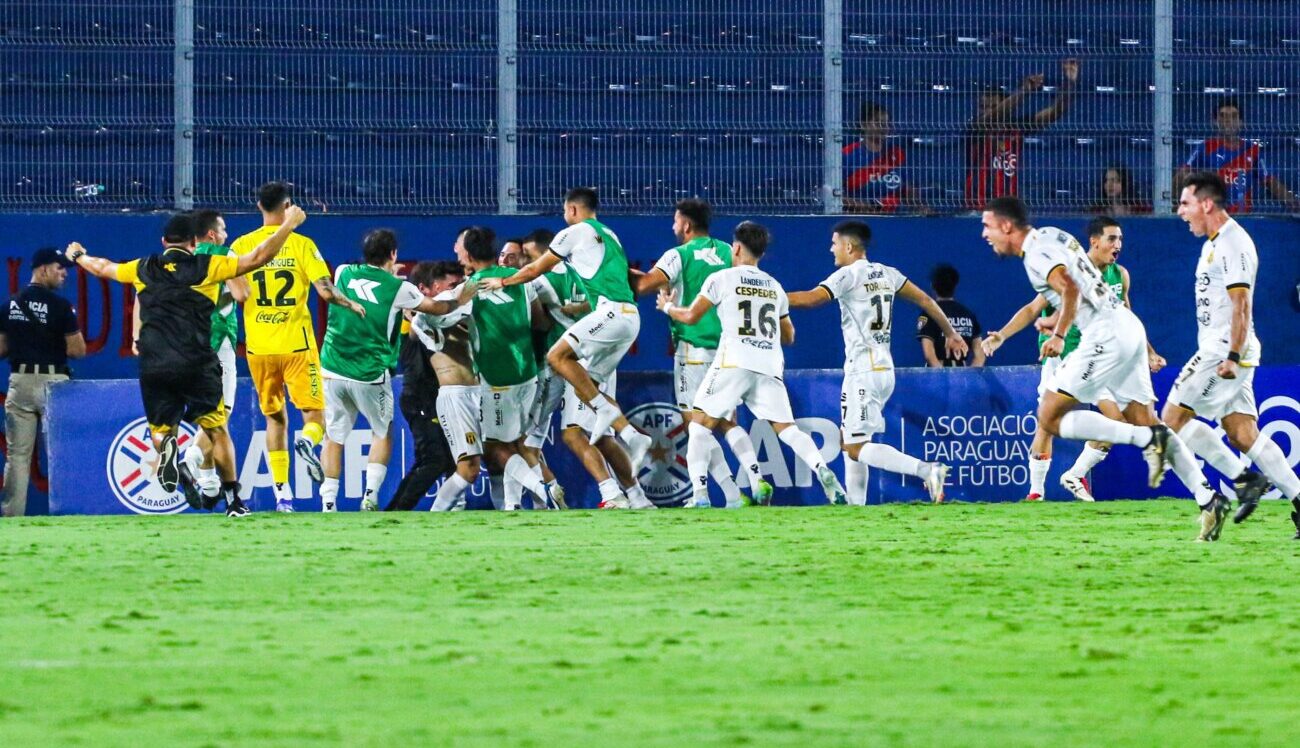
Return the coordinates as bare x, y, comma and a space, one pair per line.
180, 374
419, 399
944, 282
38, 332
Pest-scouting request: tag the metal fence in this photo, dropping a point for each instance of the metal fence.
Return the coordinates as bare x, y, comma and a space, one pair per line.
777, 106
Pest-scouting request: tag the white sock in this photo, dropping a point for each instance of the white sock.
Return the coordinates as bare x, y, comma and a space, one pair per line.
1038, 469
605, 414
282, 492
1088, 460
517, 470
534, 441
449, 493
1202, 440
803, 447
497, 490
375, 474
209, 481
720, 471
699, 445
1088, 425
629, 432
636, 496
886, 457
329, 492
537, 471
1268, 457
193, 455
609, 490
855, 481
743, 448
1185, 467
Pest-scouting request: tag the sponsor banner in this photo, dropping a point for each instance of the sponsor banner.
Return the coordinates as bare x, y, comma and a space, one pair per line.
980, 422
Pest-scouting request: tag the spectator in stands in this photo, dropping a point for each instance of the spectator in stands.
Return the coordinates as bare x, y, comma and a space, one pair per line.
512, 254
1237, 161
874, 176
944, 280
995, 135
1115, 195
38, 333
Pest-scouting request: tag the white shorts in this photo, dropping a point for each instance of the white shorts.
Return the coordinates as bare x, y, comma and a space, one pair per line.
458, 412
1048, 376
226, 355
345, 398
724, 389
576, 413
507, 410
1200, 389
862, 403
549, 398
602, 338
1109, 364
690, 365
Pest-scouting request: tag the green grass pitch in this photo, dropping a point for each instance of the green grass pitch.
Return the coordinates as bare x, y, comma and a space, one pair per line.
1055, 624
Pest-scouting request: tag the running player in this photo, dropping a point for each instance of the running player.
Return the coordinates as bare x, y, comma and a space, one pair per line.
685, 268
754, 313
180, 375
281, 343
866, 292
1111, 358
356, 357
603, 337
1218, 382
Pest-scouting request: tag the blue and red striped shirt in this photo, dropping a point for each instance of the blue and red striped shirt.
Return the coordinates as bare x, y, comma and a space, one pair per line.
1240, 165
875, 178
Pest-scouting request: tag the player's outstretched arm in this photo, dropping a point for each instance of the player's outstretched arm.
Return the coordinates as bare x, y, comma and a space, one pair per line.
687, 315
441, 307
953, 342
1019, 321
809, 299
528, 273
270, 246
649, 282
96, 266
332, 295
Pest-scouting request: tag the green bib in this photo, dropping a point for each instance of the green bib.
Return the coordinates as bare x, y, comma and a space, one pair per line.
569, 289
1113, 278
700, 258
503, 340
225, 319
363, 348
610, 281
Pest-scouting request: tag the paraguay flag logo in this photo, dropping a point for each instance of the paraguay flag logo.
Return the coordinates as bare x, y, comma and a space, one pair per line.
132, 468
663, 475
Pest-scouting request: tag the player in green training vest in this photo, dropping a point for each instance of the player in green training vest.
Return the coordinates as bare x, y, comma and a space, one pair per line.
358, 352
588, 354
502, 345
684, 269
1105, 241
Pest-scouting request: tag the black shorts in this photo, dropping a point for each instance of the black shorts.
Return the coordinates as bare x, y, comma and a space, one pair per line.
191, 393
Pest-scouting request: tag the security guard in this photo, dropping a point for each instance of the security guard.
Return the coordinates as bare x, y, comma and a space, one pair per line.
38, 332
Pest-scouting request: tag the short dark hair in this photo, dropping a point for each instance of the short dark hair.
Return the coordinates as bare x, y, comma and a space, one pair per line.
378, 246
1207, 185
512, 240
204, 220
1226, 102
540, 237
480, 243
697, 211
943, 279
859, 231
179, 229
273, 195
427, 272
584, 196
871, 110
753, 236
1012, 209
1098, 225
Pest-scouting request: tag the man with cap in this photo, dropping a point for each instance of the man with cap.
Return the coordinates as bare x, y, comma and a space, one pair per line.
38, 333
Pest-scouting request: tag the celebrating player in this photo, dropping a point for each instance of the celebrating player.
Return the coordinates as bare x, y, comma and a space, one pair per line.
280, 341
685, 269
1217, 383
866, 292
1111, 358
754, 313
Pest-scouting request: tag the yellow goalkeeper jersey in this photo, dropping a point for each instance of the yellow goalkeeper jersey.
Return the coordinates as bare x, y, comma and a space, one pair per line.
276, 317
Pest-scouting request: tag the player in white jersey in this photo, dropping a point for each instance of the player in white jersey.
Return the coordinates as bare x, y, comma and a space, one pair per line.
1217, 383
866, 292
1111, 358
755, 316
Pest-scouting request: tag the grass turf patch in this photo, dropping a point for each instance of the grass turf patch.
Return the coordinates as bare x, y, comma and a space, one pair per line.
955, 625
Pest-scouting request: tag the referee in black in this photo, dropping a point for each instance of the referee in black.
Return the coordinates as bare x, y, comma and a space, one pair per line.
38, 333
180, 374
419, 398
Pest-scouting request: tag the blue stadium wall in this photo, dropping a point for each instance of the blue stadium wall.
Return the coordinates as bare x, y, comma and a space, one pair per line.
1160, 254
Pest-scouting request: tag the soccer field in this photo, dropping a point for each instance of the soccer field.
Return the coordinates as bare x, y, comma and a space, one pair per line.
957, 625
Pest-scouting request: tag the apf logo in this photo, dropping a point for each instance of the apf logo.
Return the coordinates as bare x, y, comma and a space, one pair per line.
664, 475
132, 466
1283, 419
